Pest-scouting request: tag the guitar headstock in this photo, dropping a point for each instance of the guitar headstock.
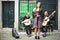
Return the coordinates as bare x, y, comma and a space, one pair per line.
53, 12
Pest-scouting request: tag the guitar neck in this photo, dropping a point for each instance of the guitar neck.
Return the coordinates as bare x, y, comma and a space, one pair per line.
51, 14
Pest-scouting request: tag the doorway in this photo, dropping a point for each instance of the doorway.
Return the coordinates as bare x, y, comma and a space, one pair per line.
50, 6
8, 14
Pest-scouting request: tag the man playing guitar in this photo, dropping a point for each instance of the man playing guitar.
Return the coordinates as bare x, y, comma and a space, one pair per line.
46, 22
44, 28
27, 24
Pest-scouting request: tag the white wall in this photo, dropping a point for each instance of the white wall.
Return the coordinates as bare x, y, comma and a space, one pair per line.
0, 15
16, 15
58, 14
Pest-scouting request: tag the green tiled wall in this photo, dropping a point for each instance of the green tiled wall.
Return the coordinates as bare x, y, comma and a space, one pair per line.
24, 6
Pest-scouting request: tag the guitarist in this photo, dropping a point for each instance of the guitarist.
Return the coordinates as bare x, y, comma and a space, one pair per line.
44, 28
27, 27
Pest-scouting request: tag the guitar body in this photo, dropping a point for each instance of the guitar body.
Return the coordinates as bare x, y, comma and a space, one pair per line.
27, 22
45, 21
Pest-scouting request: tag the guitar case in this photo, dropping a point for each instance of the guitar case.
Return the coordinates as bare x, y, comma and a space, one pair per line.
15, 33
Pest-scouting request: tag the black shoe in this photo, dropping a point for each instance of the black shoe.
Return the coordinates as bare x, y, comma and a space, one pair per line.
35, 37
38, 37
44, 35
30, 35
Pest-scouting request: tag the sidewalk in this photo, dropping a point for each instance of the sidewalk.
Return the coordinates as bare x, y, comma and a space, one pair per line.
7, 35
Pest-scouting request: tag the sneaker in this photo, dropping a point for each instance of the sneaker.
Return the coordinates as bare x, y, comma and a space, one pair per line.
44, 35
30, 35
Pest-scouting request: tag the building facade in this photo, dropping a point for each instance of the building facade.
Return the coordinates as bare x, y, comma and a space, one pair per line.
9, 13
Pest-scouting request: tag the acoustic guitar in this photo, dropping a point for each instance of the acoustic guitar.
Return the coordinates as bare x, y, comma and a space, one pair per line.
27, 21
46, 19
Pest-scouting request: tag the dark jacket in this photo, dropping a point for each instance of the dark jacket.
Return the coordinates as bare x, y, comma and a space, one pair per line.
24, 18
41, 12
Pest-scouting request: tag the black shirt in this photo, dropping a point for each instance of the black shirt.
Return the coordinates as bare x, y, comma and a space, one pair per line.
25, 18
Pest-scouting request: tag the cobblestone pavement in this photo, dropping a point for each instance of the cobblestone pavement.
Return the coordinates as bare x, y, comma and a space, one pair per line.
7, 35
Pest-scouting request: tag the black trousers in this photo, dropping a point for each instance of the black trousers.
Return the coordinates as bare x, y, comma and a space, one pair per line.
44, 29
28, 29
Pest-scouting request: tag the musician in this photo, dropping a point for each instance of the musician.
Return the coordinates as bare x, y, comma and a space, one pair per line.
27, 27
52, 22
44, 28
37, 20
